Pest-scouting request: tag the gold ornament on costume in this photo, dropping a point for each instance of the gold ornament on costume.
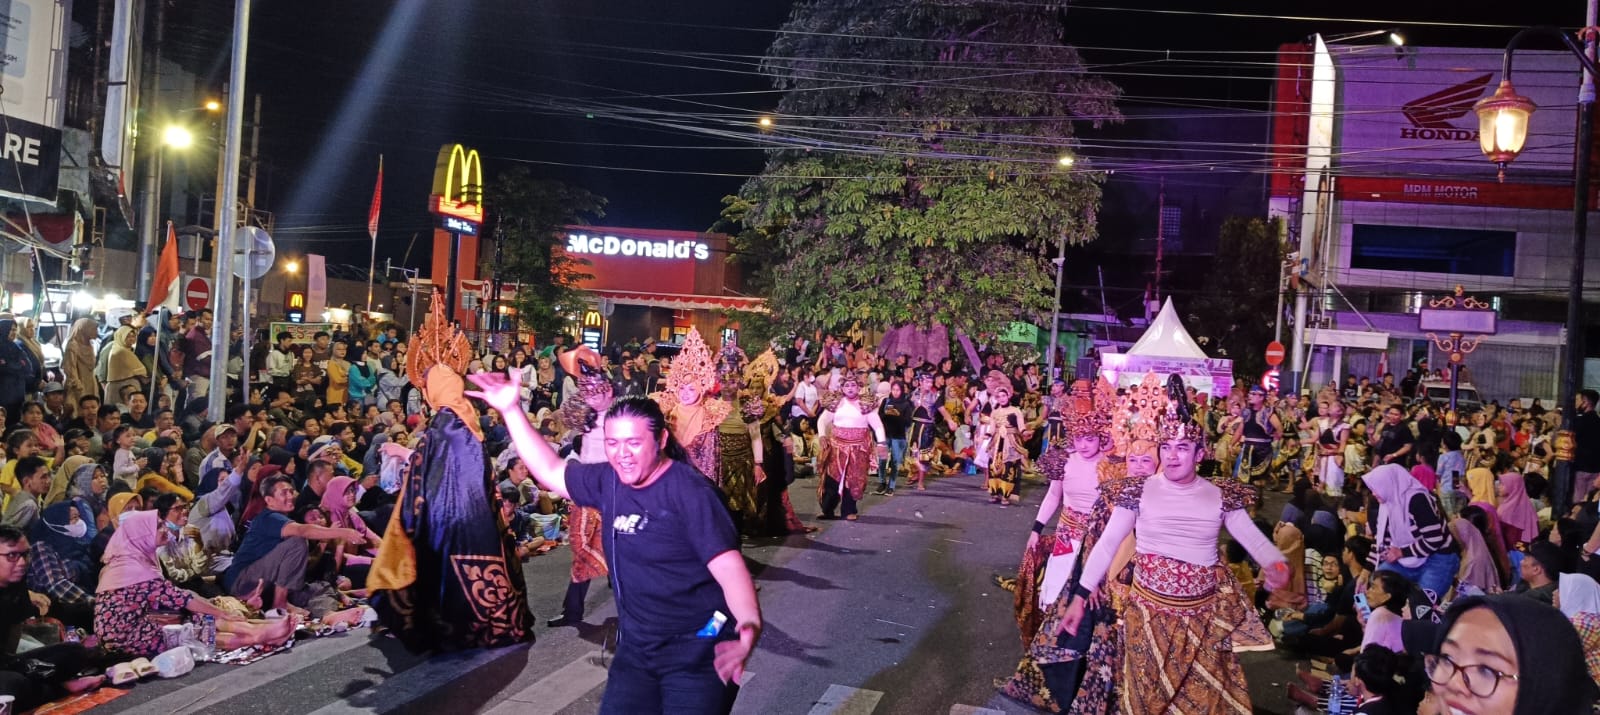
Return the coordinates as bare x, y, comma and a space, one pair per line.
1137, 416
1088, 411
437, 342
763, 369
692, 366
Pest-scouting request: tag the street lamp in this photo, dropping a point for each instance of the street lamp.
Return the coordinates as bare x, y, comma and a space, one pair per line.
291, 267
1503, 129
177, 137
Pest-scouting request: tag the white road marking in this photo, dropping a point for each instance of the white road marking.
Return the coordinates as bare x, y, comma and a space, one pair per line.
845, 700
555, 691
305, 654
974, 710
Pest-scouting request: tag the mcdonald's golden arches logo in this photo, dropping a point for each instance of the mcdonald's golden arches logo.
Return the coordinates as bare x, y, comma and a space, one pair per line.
591, 319
297, 300
458, 184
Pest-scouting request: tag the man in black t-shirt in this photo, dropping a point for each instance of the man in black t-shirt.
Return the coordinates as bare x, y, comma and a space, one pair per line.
1395, 443
687, 609
25, 678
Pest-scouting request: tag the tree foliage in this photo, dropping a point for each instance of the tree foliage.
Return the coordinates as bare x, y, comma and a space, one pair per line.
528, 217
1233, 317
916, 176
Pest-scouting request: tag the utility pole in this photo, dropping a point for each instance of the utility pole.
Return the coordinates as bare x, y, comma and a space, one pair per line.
255, 156
151, 136
1161, 241
222, 287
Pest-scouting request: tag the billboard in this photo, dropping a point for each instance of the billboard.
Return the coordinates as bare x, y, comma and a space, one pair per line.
33, 70
1409, 112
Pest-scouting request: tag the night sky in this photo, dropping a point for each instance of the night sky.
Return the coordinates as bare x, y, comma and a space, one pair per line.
344, 82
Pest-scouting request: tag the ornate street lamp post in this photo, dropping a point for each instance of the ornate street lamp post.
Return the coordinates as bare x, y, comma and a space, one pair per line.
1464, 320
1502, 131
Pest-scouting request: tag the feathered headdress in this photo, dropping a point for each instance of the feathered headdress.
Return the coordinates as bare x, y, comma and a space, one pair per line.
692, 366
1088, 411
437, 342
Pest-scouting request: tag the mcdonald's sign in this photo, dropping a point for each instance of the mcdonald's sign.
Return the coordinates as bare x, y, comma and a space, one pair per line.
591, 319
294, 305
458, 184
297, 300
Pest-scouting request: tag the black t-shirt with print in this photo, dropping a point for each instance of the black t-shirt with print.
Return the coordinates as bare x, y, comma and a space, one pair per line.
658, 540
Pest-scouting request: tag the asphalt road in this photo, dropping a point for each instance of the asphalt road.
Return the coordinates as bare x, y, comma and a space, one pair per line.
895, 613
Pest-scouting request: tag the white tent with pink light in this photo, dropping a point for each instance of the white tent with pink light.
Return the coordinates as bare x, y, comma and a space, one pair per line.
1166, 348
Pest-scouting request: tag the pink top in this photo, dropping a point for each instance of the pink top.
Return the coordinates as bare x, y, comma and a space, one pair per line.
1425, 476
1383, 628
130, 556
1080, 484
1179, 522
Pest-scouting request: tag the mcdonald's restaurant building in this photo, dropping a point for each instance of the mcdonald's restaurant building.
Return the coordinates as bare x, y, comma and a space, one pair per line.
652, 285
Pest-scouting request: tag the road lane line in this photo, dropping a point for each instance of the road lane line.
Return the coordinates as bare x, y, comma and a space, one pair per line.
845, 700
240, 679
974, 710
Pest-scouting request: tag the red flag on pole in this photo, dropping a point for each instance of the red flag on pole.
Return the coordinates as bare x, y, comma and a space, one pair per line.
377, 201
164, 287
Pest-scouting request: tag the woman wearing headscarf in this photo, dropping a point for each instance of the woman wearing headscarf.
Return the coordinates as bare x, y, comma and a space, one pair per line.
1480, 486
1487, 520
62, 481
1518, 519
118, 504
122, 366
88, 485
339, 503
59, 565
77, 361
1478, 570
132, 587
144, 348
17, 373
1578, 597
1509, 654
1410, 536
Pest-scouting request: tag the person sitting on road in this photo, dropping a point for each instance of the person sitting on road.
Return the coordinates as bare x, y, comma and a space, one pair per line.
272, 557
132, 588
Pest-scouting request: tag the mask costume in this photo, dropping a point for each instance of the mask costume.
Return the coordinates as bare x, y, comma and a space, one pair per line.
585, 415
446, 576
846, 432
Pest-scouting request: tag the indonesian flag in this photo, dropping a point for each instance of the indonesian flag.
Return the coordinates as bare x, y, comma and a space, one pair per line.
164, 287
377, 201
1383, 365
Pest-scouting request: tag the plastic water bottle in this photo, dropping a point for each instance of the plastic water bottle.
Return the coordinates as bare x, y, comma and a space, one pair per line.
208, 634
1336, 696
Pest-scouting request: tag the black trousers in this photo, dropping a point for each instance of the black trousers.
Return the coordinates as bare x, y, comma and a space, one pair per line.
832, 499
20, 677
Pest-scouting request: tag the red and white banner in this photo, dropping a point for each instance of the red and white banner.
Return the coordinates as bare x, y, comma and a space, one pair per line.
164, 286
377, 202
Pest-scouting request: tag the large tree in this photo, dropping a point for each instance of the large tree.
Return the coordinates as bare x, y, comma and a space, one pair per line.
915, 174
1233, 316
527, 220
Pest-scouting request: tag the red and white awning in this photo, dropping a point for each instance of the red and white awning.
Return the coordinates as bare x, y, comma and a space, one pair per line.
682, 301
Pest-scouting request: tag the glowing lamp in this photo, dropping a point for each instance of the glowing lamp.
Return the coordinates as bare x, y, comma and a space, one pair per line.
1503, 124
1066, 161
177, 137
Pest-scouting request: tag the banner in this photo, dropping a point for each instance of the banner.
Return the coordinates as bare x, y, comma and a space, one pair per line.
299, 333
34, 58
316, 286
1212, 376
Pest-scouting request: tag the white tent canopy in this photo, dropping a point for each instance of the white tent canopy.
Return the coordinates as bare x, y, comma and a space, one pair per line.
1166, 337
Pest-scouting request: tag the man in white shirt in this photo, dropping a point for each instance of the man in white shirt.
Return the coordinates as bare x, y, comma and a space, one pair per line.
280, 361
806, 395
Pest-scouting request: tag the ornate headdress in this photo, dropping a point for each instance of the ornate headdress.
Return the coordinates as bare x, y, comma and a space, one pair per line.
1088, 412
437, 342
1177, 422
731, 362
763, 370
998, 384
1138, 414
587, 368
439, 357
692, 366
847, 375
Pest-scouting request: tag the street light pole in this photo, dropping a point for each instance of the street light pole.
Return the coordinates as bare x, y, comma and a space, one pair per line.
222, 288
1503, 126
1055, 313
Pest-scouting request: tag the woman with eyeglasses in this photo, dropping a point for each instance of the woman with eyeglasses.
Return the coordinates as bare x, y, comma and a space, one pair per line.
1509, 654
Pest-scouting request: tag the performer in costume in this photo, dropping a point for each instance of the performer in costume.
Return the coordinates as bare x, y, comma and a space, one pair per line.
925, 408
1255, 432
775, 513
586, 416
1178, 627
446, 575
740, 452
1074, 491
846, 432
1007, 455
692, 415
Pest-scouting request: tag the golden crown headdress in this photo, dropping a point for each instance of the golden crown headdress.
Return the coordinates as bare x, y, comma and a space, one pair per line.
437, 342
1138, 413
692, 366
763, 370
1088, 411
